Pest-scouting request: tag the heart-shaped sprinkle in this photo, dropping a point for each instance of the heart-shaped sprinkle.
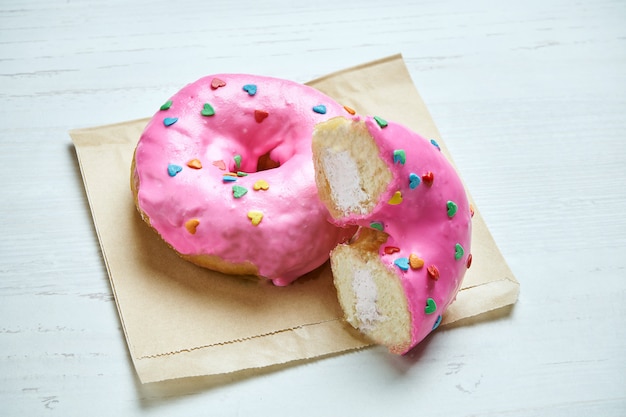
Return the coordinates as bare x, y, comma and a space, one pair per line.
320, 108
433, 272
229, 178
166, 105
349, 110
261, 185
377, 226
191, 225
172, 169
428, 178
452, 208
168, 121
260, 115
458, 251
437, 322
195, 164
217, 83
431, 306
207, 110
435, 144
390, 250
381, 122
239, 191
255, 217
250, 89
414, 181
220, 164
402, 263
237, 159
468, 263
399, 156
396, 198
415, 262
242, 174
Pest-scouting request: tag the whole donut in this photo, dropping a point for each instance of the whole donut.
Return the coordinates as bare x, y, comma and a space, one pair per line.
407, 262
223, 172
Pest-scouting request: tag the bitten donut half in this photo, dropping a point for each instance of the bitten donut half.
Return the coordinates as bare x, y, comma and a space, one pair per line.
405, 265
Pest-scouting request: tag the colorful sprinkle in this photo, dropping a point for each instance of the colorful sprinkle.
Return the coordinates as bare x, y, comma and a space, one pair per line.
207, 110
433, 272
399, 156
350, 110
260, 115
261, 185
428, 178
166, 105
471, 210
452, 208
239, 191
414, 181
250, 89
377, 225
237, 159
390, 250
434, 142
255, 217
458, 251
437, 322
415, 262
191, 225
242, 174
228, 178
381, 122
396, 198
431, 306
195, 164
468, 263
172, 169
168, 121
402, 263
220, 164
217, 83
320, 108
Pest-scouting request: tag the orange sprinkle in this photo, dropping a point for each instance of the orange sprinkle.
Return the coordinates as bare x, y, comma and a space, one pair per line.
194, 163
220, 164
350, 110
191, 225
415, 262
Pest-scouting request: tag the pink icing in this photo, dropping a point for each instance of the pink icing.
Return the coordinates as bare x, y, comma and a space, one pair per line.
420, 223
253, 116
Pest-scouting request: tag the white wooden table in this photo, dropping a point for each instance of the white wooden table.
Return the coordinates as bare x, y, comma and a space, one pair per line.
530, 98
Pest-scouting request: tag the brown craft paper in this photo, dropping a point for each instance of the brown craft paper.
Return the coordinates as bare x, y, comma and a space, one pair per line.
181, 320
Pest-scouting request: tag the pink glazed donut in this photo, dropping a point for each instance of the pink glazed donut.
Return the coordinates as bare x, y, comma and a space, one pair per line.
224, 173
407, 262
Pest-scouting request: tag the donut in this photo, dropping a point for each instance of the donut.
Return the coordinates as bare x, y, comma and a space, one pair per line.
406, 263
223, 172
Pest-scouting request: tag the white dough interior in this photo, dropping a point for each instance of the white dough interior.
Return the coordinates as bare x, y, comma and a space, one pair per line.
343, 178
366, 295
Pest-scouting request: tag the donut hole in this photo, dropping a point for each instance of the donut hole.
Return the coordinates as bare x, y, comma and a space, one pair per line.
265, 162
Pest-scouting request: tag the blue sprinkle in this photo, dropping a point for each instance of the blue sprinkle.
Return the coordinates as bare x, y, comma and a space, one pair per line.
434, 142
229, 178
321, 109
399, 156
414, 181
250, 89
437, 322
402, 263
168, 121
172, 169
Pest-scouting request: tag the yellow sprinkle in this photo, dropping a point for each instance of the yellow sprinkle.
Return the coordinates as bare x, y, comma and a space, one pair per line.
261, 185
255, 216
396, 199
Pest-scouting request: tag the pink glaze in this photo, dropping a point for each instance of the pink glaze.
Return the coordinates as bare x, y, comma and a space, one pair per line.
253, 116
420, 223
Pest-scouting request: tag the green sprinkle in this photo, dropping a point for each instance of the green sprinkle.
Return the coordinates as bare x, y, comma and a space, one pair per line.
431, 306
399, 156
239, 191
458, 251
237, 159
381, 122
167, 105
377, 226
242, 174
207, 110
